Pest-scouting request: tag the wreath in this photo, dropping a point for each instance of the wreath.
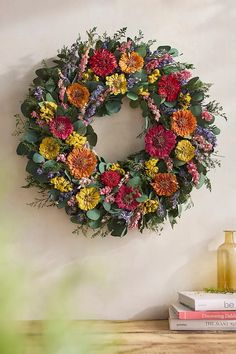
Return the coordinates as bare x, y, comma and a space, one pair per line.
92, 78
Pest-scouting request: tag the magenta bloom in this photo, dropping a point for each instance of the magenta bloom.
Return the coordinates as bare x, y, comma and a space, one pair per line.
61, 127
169, 87
159, 142
126, 198
103, 62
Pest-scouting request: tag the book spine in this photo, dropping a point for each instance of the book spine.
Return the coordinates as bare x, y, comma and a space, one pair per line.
215, 305
202, 325
213, 315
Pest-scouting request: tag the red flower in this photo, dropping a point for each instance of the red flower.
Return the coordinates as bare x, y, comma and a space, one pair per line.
61, 127
126, 198
159, 142
103, 62
169, 87
110, 178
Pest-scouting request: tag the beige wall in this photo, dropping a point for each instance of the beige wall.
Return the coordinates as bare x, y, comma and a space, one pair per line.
137, 276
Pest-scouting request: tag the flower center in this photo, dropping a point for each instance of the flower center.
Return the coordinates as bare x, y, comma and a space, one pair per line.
60, 127
128, 198
159, 141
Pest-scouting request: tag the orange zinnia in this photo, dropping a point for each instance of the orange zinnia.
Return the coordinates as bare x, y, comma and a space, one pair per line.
183, 122
78, 95
81, 162
165, 184
131, 62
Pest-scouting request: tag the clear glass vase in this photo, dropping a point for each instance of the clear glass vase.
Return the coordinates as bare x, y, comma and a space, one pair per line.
226, 263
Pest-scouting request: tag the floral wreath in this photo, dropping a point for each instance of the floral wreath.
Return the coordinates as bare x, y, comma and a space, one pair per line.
91, 78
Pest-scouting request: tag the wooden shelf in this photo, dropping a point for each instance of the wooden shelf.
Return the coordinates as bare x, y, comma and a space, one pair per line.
138, 337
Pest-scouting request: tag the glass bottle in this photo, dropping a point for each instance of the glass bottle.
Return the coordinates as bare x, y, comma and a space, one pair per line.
226, 263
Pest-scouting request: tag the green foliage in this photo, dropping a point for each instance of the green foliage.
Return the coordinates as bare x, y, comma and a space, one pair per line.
79, 127
113, 106
37, 158
94, 214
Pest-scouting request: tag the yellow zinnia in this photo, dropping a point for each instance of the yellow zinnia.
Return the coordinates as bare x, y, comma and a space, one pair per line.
149, 206
185, 151
76, 140
49, 148
117, 83
48, 110
143, 92
154, 76
116, 167
88, 198
61, 184
151, 168
184, 100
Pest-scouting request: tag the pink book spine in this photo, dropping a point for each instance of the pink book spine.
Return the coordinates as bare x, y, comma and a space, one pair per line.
207, 315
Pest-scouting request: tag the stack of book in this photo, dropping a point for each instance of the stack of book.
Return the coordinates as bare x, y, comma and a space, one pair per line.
201, 311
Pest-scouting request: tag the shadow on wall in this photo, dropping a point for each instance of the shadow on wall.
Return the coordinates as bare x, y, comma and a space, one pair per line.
193, 280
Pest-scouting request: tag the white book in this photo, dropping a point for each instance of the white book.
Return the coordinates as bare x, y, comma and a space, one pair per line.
203, 301
200, 325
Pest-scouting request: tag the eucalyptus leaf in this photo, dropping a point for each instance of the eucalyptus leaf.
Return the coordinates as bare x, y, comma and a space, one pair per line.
43, 73
22, 149
37, 158
113, 106
174, 52
196, 110
79, 127
178, 163
132, 96
49, 98
192, 81
141, 50
102, 167
94, 214
106, 206
30, 136
197, 96
92, 139
167, 48
201, 181
134, 104
216, 130
134, 182
94, 224
51, 165
27, 107
142, 198
54, 194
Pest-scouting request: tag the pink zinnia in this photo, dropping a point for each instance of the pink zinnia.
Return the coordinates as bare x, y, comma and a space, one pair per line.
61, 127
126, 198
169, 87
206, 116
103, 62
159, 142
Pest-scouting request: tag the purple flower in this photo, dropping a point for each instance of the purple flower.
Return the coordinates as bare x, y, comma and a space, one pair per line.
90, 111
125, 215
167, 110
94, 95
207, 134
174, 200
38, 93
131, 81
39, 171
161, 211
51, 175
